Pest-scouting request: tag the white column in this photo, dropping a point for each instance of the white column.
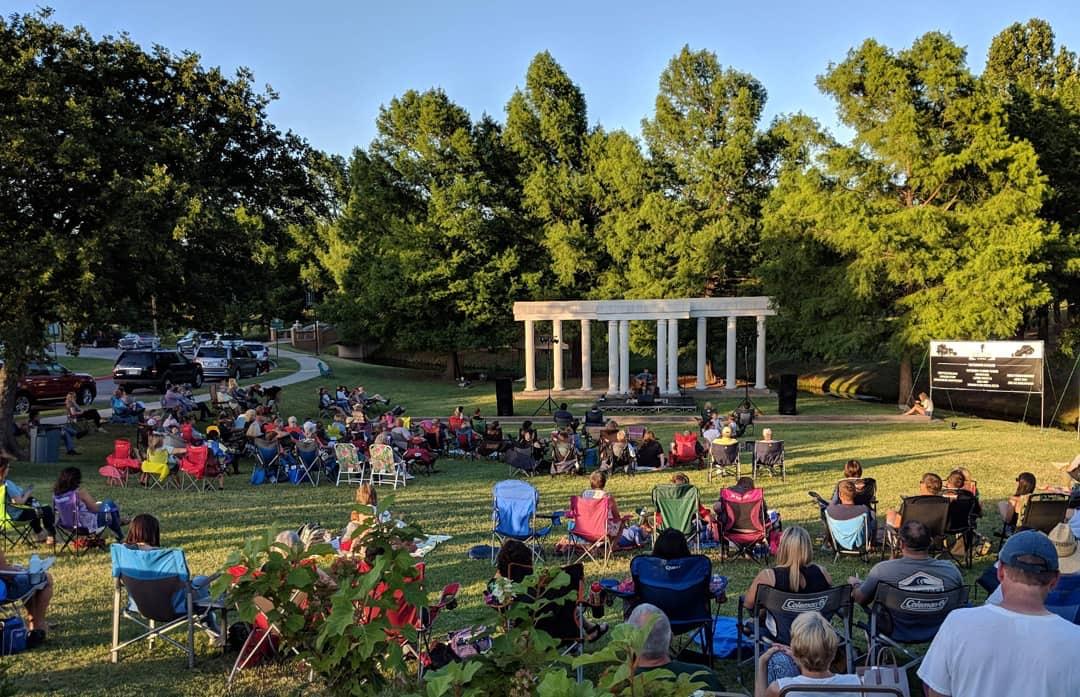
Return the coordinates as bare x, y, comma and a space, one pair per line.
612, 356
624, 356
673, 356
556, 356
661, 355
759, 364
729, 353
701, 330
586, 355
530, 356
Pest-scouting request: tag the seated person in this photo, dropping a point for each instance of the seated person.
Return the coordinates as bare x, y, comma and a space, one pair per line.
594, 417
341, 399
124, 408
671, 544
493, 439
805, 662
400, 435
766, 435
616, 522
562, 416
739, 491
1068, 553
923, 407
90, 514
23, 507
726, 437
704, 514
699, 449
650, 453
457, 421
655, 653
854, 473
366, 514
915, 570
37, 605
710, 430
846, 508
795, 570
292, 427
929, 485
1010, 508
956, 485
732, 422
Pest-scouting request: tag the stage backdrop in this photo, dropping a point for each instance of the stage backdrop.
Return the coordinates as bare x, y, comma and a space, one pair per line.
987, 366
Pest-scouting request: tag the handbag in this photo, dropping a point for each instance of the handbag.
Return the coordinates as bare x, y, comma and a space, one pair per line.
885, 675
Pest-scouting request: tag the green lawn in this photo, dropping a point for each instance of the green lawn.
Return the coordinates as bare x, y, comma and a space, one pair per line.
457, 502
81, 364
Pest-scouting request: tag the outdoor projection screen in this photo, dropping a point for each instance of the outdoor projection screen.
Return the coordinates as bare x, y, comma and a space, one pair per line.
987, 366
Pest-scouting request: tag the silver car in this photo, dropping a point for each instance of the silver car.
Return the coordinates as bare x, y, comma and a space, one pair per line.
142, 340
261, 354
231, 340
219, 361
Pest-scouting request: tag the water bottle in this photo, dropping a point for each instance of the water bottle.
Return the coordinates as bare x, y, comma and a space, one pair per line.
718, 584
596, 599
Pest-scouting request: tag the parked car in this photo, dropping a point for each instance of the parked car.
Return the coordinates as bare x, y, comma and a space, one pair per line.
99, 338
261, 354
155, 369
51, 382
230, 340
193, 340
142, 340
220, 361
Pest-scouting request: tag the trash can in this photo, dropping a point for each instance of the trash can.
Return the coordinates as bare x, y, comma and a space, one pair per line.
46, 447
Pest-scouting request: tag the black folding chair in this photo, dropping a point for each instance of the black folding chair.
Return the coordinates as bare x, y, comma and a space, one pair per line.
1040, 512
931, 511
775, 610
960, 525
900, 618
769, 457
724, 461
838, 690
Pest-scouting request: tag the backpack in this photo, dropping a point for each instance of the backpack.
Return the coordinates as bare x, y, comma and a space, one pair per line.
258, 476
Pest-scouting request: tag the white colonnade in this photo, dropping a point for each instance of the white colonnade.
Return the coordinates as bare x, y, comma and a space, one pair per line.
618, 315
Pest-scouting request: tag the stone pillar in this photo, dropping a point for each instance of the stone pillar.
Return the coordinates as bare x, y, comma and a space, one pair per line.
612, 356
624, 356
729, 353
661, 355
586, 355
759, 364
701, 333
673, 356
556, 356
530, 356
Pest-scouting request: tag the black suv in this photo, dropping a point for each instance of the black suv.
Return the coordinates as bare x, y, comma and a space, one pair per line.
155, 368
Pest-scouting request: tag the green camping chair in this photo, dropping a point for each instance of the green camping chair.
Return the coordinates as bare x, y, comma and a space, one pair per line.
12, 531
678, 506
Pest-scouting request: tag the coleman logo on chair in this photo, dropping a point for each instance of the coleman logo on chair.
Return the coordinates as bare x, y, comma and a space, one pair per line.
919, 605
805, 605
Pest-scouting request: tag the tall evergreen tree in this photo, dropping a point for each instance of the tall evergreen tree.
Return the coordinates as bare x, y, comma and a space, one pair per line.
928, 221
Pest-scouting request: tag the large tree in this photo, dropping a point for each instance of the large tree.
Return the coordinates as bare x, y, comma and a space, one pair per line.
431, 248
927, 223
130, 177
1040, 86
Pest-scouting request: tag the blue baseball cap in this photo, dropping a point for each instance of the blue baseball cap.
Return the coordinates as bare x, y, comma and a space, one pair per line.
1036, 547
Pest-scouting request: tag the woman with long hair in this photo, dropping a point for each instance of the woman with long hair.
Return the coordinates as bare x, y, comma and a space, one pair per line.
795, 570
90, 514
1010, 508
76, 414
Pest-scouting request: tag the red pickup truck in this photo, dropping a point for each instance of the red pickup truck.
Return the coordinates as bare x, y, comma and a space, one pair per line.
51, 382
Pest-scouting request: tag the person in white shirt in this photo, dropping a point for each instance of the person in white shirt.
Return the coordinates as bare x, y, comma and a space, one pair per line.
1016, 648
923, 407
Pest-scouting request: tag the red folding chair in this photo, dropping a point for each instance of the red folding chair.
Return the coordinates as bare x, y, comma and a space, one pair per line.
590, 531
193, 468
120, 463
685, 450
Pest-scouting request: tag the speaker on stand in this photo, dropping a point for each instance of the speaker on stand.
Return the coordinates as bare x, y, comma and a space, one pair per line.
504, 396
789, 388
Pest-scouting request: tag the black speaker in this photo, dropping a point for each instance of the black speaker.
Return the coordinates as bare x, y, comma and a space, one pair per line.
789, 388
504, 396
645, 399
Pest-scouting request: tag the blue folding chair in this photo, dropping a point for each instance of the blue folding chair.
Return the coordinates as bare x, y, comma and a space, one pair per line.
309, 461
514, 504
1064, 599
850, 537
161, 598
679, 587
268, 458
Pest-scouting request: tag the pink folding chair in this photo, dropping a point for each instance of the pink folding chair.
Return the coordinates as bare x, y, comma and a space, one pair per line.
590, 531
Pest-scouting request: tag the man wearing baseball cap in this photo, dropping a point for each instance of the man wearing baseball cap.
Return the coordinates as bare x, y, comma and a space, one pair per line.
1015, 648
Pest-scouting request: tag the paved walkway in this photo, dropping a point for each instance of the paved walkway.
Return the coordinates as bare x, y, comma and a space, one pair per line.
309, 368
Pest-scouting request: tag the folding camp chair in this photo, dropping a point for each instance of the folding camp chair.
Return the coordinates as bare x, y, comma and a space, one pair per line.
564, 458
309, 461
744, 523
386, 465
350, 468
13, 531
769, 457
68, 529
744, 418
614, 455
960, 526
589, 532
774, 611
12, 606
156, 469
677, 506
561, 609
931, 511
840, 690
679, 587
849, 537
724, 460
156, 582
513, 512
685, 450
1040, 512
121, 462
519, 457
268, 458
193, 468
635, 434
900, 618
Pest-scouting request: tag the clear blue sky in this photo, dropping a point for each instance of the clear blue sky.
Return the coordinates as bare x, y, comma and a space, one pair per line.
335, 63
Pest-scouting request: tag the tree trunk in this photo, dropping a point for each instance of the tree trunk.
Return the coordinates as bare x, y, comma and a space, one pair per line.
453, 366
14, 366
906, 382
